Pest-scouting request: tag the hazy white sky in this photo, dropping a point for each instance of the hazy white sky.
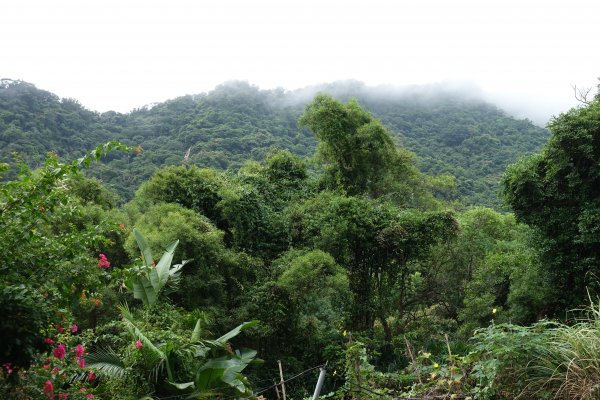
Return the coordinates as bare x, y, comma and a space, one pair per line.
122, 54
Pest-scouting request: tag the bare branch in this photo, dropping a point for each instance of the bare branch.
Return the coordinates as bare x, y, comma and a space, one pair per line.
581, 94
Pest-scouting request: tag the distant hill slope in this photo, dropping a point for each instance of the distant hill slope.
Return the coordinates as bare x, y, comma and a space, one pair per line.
450, 133
34, 122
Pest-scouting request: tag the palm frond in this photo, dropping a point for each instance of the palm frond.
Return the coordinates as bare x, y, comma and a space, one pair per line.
106, 362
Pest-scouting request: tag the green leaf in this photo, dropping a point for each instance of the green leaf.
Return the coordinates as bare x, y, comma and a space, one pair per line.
182, 386
143, 289
106, 362
163, 266
206, 376
197, 331
234, 332
144, 247
226, 369
135, 331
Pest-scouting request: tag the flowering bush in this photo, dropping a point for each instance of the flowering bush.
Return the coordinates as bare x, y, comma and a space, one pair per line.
59, 373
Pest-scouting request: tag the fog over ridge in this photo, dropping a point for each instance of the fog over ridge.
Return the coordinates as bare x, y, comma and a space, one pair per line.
518, 105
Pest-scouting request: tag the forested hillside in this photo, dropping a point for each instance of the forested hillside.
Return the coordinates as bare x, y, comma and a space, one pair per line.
451, 133
356, 261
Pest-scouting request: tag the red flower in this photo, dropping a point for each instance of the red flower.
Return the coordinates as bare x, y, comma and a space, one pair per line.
48, 340
74, 328
103, 263
138, 344
97, 302
89, 396
46, 294
63, 395
60, 328
60, 351
48, 388
79, 349
83, 294
46, 366
81, 362
91, 376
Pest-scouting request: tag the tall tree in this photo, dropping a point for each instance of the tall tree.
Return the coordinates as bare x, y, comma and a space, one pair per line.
558, 192
359, 153
375, 243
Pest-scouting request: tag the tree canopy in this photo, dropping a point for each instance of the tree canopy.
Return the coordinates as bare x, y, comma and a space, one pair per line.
236, 122
558, 191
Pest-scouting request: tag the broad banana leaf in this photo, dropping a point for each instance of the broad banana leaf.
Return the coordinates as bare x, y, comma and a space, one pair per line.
235, 331
161, 272
142, 289
197, 331
224, 370
146, 285
144, 247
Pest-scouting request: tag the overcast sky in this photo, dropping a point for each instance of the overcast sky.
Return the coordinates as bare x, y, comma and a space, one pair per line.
122, 54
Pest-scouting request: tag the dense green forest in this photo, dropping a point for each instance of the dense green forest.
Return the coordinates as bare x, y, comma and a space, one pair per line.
451, 133
314, 236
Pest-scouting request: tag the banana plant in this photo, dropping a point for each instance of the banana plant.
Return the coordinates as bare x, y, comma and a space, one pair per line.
204, 368
146, 282
216, 370
220, 376
223, 372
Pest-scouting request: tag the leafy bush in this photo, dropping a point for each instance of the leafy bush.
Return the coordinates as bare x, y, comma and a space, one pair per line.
25, 312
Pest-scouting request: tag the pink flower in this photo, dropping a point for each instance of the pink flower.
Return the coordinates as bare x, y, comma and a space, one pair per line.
8, 367
46, 294
60, 351
89, 396
60, 328
103, 263
55, 370
79, 350
48, 340
63, 395
74, 328
48, 388
82, 389
46, 366
91, 376
138, 344
81, 362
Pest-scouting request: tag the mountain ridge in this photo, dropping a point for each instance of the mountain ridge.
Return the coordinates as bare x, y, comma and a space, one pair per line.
464, 136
